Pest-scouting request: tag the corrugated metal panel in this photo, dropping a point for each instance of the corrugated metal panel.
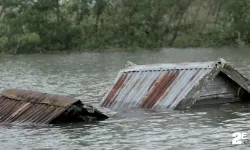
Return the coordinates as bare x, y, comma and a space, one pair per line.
38, 97
155, 86
19, 106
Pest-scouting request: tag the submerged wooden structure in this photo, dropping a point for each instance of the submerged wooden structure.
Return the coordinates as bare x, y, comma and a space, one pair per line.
184, 85
24, 106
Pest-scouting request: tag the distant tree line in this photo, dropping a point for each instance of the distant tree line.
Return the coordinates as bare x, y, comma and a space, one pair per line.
33, 26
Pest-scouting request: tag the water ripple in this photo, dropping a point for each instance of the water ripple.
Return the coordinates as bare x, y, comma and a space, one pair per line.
89, 76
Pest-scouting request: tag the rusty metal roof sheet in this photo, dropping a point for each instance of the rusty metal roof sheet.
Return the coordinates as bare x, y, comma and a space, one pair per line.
155, 86
21, 106
38, 97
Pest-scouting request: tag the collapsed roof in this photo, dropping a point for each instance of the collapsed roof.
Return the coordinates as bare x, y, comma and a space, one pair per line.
24, 106
183, 85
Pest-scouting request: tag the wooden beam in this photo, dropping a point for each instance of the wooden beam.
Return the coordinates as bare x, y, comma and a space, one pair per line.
236, 77
200, 88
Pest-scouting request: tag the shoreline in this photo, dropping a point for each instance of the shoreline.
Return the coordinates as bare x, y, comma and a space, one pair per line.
129, 49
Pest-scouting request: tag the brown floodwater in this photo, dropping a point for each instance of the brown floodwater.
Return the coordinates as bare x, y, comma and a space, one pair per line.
89, 75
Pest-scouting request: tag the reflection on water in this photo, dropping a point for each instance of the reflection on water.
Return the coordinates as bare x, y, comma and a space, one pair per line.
90, 75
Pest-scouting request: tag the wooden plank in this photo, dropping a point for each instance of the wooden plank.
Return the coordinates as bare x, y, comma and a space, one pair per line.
213, 101
217, 99
211, 90
236, 77
219, 80
217, 96
215, 87
200, 88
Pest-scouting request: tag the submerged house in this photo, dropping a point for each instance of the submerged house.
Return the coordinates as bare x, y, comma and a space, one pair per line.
183, 85
24, 106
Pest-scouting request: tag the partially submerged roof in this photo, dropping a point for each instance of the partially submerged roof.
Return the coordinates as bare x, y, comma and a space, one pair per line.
22, 106
161, 86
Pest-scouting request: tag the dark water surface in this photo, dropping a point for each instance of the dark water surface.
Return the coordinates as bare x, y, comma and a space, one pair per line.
90, 75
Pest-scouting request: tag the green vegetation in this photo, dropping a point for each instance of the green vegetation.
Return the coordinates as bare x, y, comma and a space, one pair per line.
33, 26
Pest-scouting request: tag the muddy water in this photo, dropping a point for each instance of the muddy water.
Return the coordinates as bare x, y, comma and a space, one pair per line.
89, 76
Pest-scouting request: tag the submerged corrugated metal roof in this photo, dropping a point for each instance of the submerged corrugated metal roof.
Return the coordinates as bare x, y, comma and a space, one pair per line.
24, 106
29, 106
155, 86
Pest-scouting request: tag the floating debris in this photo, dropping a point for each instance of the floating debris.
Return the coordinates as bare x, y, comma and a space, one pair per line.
183, 85
24, 106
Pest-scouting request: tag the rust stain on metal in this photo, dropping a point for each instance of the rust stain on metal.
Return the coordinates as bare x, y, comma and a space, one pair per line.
119, 87
20, 106
170, 87
155, 86
193, 76
157, 89
38, 97
185, 86
115, 89
170, 80
161, 86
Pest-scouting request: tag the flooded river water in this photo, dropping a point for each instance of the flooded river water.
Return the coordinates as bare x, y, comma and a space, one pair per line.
89, 75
